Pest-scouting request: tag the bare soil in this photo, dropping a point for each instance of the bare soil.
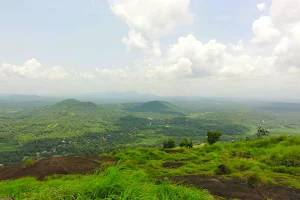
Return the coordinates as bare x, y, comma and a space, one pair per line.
238, 188
54, 165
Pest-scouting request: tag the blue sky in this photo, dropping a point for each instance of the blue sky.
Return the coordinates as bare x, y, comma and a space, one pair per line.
96, 45
87, 33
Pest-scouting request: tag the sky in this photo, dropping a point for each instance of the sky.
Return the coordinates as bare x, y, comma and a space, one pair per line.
209, 48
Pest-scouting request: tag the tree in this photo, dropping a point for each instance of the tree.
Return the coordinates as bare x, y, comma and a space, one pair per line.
186, 143
213, 136
261, 132
169, 144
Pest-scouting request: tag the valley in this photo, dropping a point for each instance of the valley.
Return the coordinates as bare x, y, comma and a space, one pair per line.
72, 127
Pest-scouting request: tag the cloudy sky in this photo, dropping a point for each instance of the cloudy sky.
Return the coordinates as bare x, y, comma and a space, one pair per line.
231, 48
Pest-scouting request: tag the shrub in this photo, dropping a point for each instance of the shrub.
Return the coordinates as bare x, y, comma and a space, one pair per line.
169, 144
261, 132
186, 143
254, 179
28, 162
222, 170
213, 137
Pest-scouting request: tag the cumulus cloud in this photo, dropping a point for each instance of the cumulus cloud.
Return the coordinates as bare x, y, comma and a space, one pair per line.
261, 7
135, 40
214, 59
149, 20
32, 69
281, 29
264, 31
239, 47
189, 58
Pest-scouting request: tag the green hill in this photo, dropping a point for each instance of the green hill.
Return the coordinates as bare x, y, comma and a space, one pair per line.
74, 106
155, 107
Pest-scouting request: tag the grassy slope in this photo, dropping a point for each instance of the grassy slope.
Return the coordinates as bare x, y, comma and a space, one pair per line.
114, 183
273, 160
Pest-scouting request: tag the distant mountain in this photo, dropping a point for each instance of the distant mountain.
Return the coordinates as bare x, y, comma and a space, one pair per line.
154, 106
24, 101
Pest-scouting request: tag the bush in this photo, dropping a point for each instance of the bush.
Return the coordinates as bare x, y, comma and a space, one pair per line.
261, 132
254, 179
169, 144
213, 137
28, 162
186, 143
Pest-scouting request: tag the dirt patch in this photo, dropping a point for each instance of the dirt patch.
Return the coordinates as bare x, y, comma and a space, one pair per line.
174, 151
54, 165
172, 165
238, 188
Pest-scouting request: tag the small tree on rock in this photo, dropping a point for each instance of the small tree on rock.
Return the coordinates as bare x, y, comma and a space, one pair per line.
213, 136
169, 144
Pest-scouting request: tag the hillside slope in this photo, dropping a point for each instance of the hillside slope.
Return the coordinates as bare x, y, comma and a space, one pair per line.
258, 169
73, 105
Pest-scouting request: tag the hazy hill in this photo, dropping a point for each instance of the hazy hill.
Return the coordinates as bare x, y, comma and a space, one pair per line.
74, 106
24, 101
153, 106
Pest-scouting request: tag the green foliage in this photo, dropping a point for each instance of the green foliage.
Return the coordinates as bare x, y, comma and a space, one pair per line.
213, 136
242, 158
169, 144
29, 162
114, 183
186, 143
254, 179
261, 132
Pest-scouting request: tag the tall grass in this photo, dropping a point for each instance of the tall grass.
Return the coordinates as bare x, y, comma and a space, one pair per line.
273, 158
114, 183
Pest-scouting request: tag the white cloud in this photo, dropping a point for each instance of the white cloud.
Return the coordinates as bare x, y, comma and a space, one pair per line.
191, 59
149, 20
238, 47
293, 70
213, 59
281, 29
154, 17
263, 30
135, 40
32, 69
261, 7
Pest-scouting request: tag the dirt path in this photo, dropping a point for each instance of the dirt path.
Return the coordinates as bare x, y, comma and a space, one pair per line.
237, 188
54, 165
